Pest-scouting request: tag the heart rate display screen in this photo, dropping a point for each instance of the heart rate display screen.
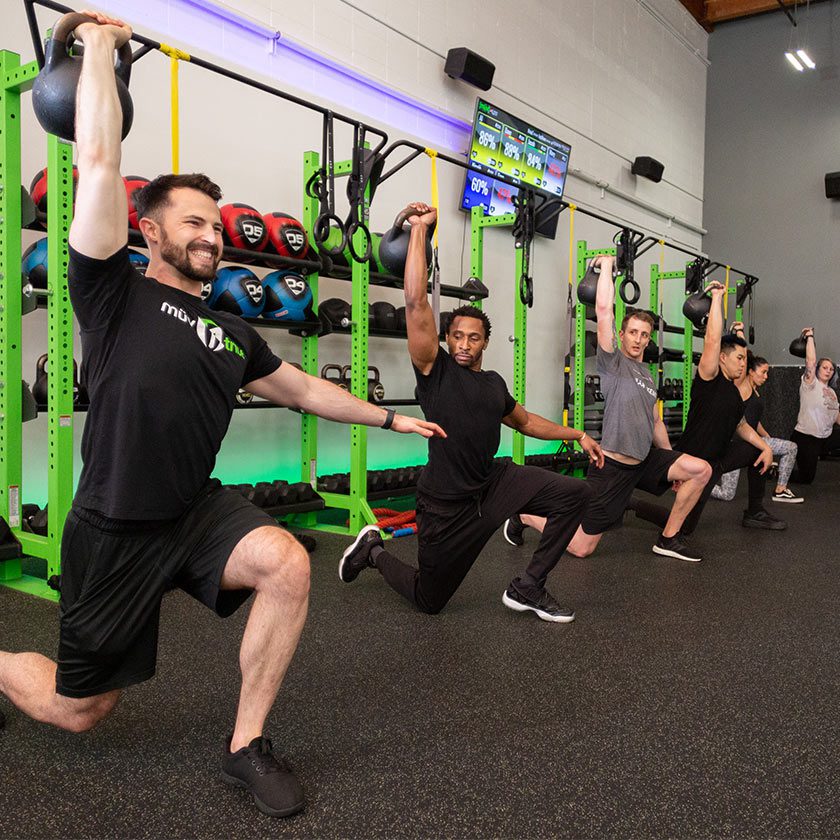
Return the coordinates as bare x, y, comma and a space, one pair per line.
505, 145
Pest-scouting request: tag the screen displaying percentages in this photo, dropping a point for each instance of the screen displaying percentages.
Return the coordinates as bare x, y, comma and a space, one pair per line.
502, 144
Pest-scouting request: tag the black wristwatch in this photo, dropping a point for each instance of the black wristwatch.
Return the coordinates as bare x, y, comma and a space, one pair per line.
389, 418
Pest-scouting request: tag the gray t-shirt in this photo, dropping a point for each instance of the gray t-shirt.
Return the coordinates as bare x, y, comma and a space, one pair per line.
629, 398
818, 408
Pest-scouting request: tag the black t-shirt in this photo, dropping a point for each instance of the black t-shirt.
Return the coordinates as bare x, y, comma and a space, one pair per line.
715, 412
469, 406
162, 370
753, 409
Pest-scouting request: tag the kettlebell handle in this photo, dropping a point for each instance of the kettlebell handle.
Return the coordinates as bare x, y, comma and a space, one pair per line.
375, 371
403, 215
63, 33
41, 364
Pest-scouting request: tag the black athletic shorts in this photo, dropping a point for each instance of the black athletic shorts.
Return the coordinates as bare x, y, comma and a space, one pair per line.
114, 575
614, 484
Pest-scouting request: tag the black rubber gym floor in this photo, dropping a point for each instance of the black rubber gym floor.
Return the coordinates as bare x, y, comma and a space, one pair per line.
686, 700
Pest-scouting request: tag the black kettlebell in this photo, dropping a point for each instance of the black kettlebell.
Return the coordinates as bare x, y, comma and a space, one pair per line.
588, 287
797, 346
697, 307
393, 249
376, 390
336, 380
54, 90
40, 388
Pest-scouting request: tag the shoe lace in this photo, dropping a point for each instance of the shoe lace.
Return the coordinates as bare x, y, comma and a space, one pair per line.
264, 760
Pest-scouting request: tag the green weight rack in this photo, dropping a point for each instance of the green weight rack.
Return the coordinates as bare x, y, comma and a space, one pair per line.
16, 79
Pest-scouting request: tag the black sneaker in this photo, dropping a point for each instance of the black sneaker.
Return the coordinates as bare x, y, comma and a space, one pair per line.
512, 530
787, 496
267, 778
675, 546
540, 601
763, 519
357, 557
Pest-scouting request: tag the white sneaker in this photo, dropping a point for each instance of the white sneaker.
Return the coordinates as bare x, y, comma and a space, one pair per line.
787, 496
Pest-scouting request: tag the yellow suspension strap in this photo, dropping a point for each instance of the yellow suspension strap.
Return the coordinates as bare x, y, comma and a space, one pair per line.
435, 263
175, 55
567, 369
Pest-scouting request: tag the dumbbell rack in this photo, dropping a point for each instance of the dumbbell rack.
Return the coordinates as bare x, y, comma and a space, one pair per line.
16, 79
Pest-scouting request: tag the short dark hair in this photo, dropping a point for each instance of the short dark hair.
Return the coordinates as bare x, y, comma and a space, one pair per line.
155, 195
468, 312
755, 362
639, 315
730, 341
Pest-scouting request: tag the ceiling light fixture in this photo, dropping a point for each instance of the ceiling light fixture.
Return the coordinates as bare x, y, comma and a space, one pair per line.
794, 61
805, 59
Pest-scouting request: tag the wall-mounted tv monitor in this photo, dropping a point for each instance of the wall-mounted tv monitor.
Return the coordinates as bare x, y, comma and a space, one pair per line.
526, 156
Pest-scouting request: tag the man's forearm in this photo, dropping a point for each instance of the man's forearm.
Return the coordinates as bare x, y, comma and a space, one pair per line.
416, 269
749, 434
660, 435
544, 429
334, 403
98, 109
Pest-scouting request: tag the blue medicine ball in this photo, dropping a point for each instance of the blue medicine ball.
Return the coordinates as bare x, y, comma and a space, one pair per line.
237, 290
34, 263
138, 260
287, 296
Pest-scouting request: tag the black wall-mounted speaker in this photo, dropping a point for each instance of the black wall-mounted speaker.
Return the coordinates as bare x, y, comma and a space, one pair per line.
832, 184
648, 167
463, 63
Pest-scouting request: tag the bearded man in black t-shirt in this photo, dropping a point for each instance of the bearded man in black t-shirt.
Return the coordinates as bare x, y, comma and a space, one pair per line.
162, 372
716, 429
464, 496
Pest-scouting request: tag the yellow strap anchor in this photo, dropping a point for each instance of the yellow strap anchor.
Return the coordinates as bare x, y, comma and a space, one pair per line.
175, 55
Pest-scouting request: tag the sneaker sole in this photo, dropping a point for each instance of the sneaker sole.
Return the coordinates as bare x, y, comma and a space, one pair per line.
782, 526
266, 809
510, 539
515, 605
788, 501
366, 530
666, 552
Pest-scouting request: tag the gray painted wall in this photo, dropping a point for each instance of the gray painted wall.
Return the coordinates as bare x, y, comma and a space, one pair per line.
771, 135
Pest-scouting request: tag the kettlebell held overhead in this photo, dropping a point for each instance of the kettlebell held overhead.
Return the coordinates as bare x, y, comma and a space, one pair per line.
54, 91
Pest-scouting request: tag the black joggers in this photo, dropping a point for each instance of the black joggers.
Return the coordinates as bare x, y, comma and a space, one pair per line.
452, 533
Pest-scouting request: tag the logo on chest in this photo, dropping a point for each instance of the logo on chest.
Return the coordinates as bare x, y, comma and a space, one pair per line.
209, 333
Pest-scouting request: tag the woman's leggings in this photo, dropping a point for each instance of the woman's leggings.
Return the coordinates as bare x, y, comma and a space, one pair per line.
810, 449
784, 450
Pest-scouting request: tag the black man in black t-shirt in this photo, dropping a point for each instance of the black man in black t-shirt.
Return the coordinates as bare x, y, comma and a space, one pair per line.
464, 496
162, 373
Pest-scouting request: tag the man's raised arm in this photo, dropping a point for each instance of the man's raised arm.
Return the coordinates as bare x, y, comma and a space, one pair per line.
422, 330
100, 219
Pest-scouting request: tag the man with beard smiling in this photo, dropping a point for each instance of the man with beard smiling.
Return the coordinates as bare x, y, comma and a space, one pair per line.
162, 371
464, 496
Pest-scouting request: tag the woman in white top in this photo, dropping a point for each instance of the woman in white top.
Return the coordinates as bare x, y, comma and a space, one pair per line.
816, 429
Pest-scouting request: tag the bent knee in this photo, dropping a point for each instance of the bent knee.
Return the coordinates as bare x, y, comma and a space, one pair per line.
286, 567
580, 550
88, 713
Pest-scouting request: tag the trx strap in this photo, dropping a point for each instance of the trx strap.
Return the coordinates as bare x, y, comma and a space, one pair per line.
435, 262
726, 296
567, 362
356, 221
321, 186
175, 55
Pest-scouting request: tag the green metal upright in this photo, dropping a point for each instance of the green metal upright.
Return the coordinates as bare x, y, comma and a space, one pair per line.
14, 80
520, 338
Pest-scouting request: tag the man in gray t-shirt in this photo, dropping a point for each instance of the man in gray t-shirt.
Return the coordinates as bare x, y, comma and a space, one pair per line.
637, 451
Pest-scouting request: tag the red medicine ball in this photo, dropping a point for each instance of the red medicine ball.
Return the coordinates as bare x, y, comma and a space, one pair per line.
243, 227
132, 184
38, 190
286, 235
